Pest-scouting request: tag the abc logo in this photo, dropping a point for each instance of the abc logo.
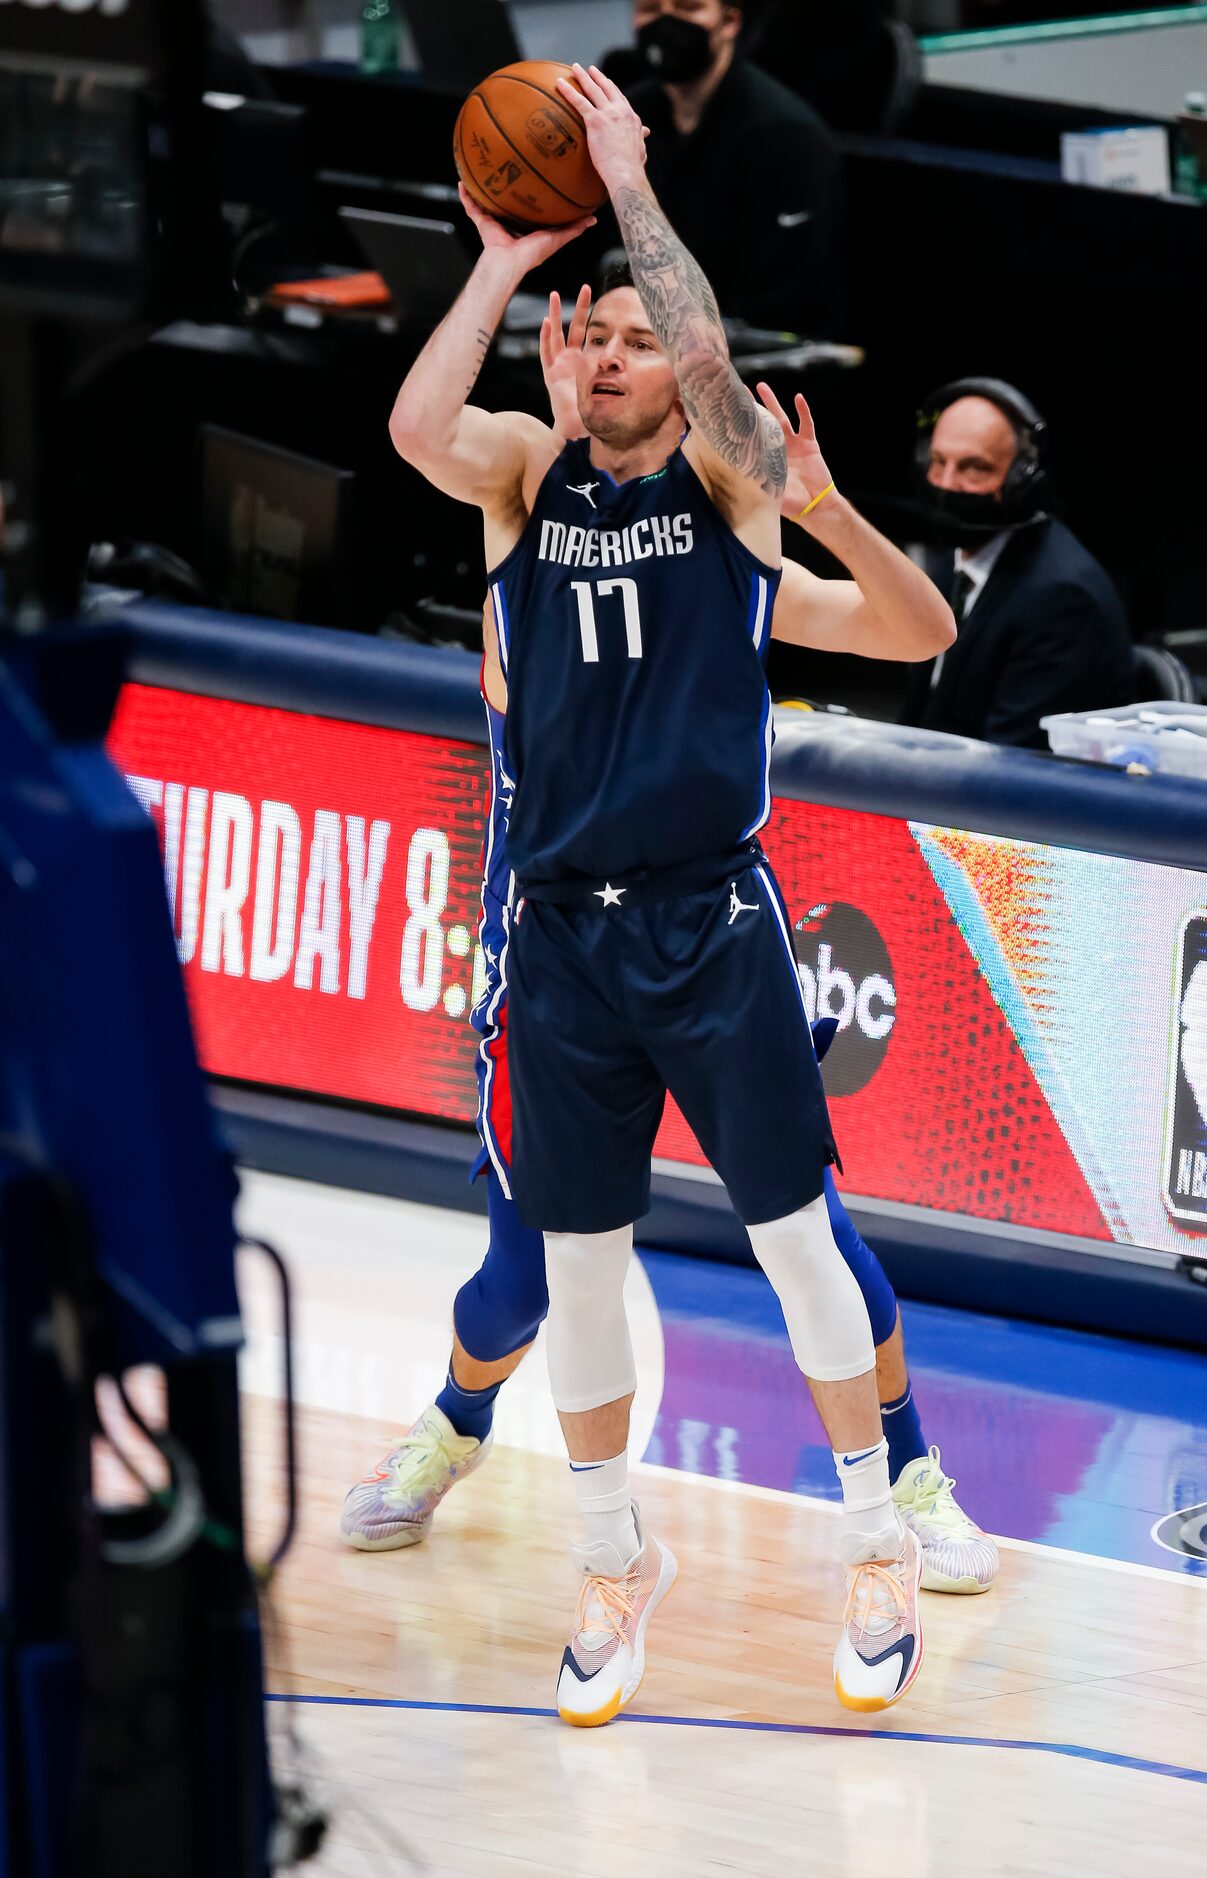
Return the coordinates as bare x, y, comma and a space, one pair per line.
846, 973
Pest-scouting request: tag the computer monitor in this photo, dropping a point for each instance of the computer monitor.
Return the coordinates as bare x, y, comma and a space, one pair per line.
461, 41
424, 264
276, 527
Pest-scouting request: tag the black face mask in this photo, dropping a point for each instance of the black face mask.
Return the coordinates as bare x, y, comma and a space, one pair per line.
674, 50
958, 519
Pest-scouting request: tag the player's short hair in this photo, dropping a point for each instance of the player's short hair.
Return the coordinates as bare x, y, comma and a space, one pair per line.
619, 274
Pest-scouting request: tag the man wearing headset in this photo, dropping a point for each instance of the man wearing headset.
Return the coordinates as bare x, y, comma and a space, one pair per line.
1041, 628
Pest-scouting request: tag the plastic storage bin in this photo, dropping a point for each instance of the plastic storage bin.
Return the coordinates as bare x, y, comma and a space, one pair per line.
1164, 736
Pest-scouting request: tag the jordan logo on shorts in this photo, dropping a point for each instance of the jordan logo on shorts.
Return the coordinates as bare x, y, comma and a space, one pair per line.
583, 489
737, 906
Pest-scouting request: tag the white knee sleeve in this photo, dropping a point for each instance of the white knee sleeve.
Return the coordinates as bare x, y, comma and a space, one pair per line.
590, 1350
823, 1306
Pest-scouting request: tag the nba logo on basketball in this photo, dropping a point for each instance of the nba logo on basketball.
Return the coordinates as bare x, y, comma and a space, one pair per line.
550, 133
1185, 1182
502, 178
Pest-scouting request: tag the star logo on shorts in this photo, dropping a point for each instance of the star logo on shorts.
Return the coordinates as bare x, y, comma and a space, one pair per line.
609, 894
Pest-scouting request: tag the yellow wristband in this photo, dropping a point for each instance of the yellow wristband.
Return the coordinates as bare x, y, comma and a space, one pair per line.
809, 506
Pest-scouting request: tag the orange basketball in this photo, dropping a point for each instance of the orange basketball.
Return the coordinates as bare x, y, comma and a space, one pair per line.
521, 151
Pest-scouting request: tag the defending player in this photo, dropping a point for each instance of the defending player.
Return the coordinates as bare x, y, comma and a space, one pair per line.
640, 739
497, 1313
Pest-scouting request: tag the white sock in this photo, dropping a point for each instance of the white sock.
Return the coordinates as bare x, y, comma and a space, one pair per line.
867, 1494
604, 1500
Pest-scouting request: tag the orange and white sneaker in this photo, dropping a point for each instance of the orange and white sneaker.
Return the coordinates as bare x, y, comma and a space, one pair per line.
393, 1505
956, 1554
880, 1650
604, 1661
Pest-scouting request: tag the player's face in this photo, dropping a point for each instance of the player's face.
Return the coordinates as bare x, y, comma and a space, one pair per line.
971, 448
626, 386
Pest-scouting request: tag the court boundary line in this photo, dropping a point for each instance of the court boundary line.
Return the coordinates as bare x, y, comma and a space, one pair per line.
1069, 1750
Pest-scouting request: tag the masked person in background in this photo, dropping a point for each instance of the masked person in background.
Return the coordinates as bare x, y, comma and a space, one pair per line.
1041, 629
747, 173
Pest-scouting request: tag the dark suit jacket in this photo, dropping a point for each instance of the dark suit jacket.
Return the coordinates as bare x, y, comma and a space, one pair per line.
754, 194
1047, 633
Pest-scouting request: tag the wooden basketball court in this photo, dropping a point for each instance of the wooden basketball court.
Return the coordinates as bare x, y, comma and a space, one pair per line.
1059, 1724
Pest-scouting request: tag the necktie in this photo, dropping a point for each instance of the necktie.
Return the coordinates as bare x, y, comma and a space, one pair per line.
962, 589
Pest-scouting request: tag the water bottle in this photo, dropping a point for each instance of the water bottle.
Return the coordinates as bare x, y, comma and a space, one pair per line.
380, 36
1190, 174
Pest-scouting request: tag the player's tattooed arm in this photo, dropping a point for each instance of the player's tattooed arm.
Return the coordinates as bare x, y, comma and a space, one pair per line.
682, 310
678, 300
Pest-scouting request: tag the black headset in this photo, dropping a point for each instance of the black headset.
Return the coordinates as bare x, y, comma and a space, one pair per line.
1027, 490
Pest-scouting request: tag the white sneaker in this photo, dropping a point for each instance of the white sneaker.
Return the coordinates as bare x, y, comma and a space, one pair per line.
956, 1554
604, 1661
880, 1650
393, 1505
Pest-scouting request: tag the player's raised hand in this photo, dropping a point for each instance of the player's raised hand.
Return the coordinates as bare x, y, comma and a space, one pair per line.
615, 133
808, 477
526, 251
560, 355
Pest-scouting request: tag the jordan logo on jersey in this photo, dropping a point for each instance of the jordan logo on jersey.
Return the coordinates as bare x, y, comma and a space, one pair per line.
737, 906
583, 489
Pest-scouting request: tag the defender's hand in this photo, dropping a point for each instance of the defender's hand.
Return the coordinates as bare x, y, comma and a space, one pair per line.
559, 362
526, 251
615, 134
807, 472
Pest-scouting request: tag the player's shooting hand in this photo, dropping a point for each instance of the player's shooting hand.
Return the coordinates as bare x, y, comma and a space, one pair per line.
807, 472
560, 355
526, 251
615, 134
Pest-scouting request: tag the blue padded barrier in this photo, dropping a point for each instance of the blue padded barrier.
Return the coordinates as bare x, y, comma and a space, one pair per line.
955, 782
314, 669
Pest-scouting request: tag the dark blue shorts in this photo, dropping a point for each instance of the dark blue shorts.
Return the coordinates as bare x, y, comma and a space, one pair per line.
613, 1004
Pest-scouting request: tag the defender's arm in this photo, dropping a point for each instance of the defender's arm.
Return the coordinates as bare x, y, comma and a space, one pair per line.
888, 609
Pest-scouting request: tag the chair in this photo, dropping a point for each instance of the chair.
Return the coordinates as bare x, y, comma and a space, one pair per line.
1161, 674
855, 63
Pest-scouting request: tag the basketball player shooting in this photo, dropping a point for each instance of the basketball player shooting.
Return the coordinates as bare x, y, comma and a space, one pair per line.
634, 576
889, 612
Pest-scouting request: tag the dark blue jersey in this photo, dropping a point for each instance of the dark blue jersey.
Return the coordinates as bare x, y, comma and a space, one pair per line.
632, 631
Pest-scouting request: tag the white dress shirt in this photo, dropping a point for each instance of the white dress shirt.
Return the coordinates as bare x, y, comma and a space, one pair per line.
976, 567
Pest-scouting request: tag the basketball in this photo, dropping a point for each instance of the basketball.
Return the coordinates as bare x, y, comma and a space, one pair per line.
522, 152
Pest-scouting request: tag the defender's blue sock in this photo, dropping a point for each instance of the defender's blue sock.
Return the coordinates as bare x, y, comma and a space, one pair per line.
471, 1411
903, 1432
